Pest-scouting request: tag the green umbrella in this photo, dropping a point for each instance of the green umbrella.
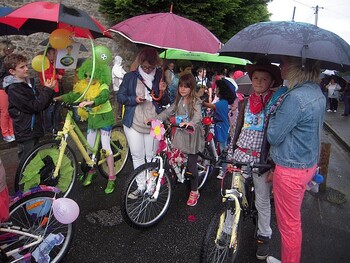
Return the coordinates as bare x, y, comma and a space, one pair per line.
201, 56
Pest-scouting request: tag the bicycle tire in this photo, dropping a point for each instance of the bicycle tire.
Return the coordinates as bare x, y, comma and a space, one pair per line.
144, 212
119, 144
34, 213
205, 167
219, 251
39, 165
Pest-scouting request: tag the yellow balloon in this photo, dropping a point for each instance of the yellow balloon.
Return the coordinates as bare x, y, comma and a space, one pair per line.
38, 61
60, 38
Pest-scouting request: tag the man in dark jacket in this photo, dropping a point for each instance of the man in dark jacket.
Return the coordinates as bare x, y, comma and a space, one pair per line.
26, 103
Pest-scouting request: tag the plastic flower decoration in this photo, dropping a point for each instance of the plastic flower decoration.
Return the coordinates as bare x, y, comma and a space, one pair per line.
157, 129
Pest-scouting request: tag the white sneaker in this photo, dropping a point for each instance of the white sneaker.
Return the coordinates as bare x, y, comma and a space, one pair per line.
329, 110
220, 175
135, 194
8, 138
335, 111
270, 259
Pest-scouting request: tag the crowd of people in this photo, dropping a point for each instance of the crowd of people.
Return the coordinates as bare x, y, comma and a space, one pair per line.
275, 123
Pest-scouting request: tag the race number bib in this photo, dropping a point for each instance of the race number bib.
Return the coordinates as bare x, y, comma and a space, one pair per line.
254, 122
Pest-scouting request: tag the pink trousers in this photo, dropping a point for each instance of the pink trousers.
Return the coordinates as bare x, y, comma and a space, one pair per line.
5, 119
289, 186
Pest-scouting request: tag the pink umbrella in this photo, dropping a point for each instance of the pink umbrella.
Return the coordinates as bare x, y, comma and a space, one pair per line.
167, 30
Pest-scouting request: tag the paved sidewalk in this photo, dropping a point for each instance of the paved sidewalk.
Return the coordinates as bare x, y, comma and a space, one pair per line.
339, 125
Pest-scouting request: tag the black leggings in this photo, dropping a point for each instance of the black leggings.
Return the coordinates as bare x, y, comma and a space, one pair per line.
193, 170
333, 104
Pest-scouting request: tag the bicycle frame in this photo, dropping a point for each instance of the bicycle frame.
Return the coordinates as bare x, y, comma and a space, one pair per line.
9, 228
70, 128
233, 194
12, 229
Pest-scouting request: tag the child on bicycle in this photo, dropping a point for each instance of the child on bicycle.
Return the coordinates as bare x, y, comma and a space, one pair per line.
187, 111
4, 195
100, 116
250, 142
225, 91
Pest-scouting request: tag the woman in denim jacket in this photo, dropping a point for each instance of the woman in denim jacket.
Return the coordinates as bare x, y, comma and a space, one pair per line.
294, 136
140, 93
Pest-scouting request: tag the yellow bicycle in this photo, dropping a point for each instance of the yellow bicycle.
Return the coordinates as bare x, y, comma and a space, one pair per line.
53, 163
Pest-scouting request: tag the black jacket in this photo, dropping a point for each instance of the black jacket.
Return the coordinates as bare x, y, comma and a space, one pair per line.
26, 104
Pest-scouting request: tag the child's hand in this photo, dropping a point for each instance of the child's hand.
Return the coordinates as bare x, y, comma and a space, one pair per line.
187, 125
50, 83
85, 103
269, 177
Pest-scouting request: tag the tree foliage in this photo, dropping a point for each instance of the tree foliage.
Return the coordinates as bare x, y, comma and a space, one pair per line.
223, 18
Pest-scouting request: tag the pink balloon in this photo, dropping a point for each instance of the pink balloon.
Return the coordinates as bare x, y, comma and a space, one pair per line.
65, 210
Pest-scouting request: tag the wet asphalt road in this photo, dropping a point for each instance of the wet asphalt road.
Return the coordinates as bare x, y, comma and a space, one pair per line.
102, 235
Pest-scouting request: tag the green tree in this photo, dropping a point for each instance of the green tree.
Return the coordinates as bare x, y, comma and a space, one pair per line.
223, 18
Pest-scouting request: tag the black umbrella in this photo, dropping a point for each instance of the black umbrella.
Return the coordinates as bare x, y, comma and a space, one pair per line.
291, 39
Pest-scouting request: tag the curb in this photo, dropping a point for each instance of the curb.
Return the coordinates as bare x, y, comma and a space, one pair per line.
328, 128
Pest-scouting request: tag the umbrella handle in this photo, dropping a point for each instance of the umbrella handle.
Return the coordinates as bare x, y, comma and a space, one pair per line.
154, 96
160, 91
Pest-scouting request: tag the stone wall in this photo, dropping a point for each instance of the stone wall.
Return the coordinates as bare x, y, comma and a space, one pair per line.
29, 45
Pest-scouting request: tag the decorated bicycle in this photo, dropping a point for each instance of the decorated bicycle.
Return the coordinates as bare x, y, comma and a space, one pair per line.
54, 162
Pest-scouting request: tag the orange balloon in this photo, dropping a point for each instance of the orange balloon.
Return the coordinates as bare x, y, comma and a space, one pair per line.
38, 61
60, 38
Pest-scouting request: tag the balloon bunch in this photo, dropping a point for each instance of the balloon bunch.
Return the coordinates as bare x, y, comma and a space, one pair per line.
59, 39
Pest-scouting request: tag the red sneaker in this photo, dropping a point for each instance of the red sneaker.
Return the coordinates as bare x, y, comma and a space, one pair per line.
193, 198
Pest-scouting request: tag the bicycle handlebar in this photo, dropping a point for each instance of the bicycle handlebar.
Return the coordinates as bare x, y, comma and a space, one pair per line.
248, 164
70, 106
170, 125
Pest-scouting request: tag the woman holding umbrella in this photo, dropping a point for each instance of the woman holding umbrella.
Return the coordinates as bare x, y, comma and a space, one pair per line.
294, 135
140, 92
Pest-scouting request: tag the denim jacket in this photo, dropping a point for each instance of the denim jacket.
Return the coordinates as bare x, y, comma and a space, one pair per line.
295, 126
127, 95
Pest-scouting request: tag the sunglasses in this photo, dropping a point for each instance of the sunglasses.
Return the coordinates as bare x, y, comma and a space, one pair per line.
87, 76
148, 68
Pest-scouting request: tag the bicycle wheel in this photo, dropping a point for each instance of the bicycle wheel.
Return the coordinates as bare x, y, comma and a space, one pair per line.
219, 250
120, 151
33, 213
144, 211
205, 167
38, 167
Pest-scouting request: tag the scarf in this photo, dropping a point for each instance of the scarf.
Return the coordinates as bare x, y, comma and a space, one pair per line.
148, 80
257, 103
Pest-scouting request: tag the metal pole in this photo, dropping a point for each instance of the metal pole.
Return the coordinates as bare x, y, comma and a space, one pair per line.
294, 13
316, 13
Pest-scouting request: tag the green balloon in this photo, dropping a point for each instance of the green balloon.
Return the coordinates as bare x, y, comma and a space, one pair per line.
103, 54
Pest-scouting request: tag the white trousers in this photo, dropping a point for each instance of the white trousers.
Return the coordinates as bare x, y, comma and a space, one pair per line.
142, 148
263, 204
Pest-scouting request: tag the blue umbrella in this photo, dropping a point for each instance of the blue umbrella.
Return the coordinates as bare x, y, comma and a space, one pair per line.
296, 39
